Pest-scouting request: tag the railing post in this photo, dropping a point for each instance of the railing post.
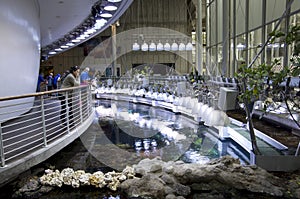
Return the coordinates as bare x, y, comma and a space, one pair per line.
1, 147
67, 111
43, 119
89, 102
80, 107
298, 149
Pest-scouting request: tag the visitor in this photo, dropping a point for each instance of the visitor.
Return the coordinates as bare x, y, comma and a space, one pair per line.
84, 77
41, 81
50, 82
56, 79
71, 80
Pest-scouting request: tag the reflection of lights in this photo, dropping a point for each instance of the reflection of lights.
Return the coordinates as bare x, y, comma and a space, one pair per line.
240, 46
275, 45
148, 123
154, 143
195, 157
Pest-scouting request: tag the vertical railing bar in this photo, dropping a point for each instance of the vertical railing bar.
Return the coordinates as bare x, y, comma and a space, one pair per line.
80, 107
298, 149
67, 111
1, 147
43, 119
89, 102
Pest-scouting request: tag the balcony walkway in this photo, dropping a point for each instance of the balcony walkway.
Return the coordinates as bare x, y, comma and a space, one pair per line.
32, 137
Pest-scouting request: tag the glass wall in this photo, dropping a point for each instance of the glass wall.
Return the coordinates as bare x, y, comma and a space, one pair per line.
251, 22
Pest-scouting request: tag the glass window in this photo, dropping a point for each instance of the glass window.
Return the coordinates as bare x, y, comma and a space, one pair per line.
213, 31
220, 21
275, 9
240, 16
275, 50
255, 45
240, 50
294, 20
255, 13
232, 62
295, 6
213, 61
232, 19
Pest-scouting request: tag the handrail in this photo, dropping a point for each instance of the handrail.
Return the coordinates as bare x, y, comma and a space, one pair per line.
40, 93
36, 120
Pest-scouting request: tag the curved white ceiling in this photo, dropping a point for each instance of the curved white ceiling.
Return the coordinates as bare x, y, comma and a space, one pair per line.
59, 17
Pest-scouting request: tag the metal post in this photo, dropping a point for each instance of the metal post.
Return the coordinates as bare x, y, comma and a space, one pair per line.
1, 148
114, 49
297, 151
43, 120
199, 43
225, 38
80, 107
67, 112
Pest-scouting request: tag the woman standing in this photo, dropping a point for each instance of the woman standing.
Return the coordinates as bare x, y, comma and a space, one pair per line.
71, 80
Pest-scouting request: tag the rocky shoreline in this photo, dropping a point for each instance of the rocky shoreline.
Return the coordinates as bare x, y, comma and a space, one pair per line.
153, 178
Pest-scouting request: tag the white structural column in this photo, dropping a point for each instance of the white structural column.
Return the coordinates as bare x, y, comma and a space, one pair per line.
225, 35
199, 43
19, 49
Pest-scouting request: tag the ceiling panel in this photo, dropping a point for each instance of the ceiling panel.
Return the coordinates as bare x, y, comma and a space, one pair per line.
58, 17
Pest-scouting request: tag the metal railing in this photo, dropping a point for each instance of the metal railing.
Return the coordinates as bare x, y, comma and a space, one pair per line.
32, 121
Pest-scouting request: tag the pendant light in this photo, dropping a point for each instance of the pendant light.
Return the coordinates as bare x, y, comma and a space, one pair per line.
135, 46
174, 46
159, 46
152, 46
189, 46
145, 46
181, 46
167, 46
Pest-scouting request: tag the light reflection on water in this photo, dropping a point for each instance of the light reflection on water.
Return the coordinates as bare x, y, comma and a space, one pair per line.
148, 132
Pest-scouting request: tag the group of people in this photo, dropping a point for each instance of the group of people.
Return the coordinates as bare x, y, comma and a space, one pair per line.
50, 82
70, 78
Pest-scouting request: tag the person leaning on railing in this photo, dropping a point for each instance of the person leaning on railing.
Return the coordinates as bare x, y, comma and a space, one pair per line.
71, 80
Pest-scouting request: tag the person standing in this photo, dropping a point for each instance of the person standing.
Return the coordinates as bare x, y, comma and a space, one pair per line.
56, 79
50, 82
41, 81
85, 77
71, 80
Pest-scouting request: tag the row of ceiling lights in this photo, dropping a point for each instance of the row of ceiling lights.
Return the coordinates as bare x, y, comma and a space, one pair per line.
101, 12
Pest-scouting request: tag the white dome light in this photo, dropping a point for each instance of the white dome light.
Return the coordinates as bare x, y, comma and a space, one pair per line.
145, 47
135, 46
159, 46
152, 47
167, 47
181, 47
189, 46
174, 47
